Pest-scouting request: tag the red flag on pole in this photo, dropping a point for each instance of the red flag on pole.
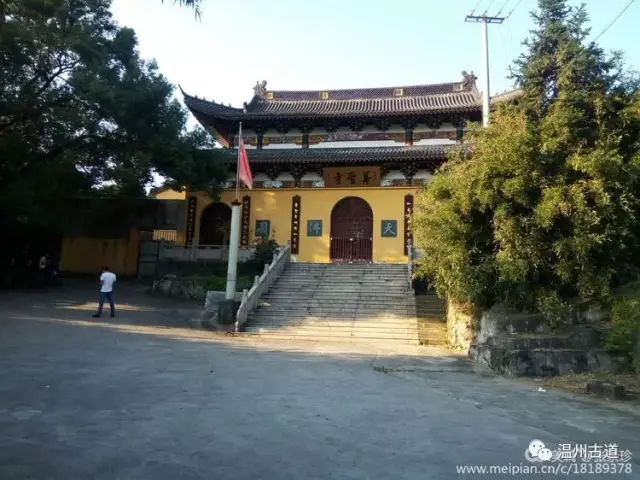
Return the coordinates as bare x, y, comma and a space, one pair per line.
244, 172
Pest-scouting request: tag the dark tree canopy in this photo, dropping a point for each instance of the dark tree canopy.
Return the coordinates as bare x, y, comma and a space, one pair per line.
548, 206
81, 114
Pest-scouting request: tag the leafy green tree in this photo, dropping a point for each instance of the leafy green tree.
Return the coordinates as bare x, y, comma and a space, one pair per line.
82, 115
547, 207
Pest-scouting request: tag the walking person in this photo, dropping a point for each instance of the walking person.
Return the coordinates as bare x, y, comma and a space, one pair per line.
107, 279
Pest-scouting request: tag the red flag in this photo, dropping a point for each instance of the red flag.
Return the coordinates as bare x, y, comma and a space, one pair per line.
244, 172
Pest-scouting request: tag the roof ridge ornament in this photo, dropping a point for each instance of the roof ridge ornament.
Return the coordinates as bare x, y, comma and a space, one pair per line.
260, 88
468, 79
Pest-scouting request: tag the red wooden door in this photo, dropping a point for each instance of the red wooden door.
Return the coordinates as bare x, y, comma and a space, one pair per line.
351, 231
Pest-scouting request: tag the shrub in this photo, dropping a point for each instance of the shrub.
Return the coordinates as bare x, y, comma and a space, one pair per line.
547, 207
625, 329
264, 250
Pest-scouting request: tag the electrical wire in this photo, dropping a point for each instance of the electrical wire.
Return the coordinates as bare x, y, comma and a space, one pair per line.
476, 7
514, 8
501, 8
488, 7
614, 20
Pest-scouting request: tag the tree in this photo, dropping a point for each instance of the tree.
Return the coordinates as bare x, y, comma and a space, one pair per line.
82, 115
547, 207
195, 4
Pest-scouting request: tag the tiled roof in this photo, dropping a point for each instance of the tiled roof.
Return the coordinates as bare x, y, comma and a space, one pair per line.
410, 100
367, 93
506, 96
346, 155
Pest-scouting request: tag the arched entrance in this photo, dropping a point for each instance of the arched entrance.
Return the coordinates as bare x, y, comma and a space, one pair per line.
351, 231
214, 224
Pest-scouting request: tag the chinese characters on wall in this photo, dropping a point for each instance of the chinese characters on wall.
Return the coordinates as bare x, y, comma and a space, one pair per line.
262, 228
389, 228
246, 217
408, 212
351, 177
314, 228
191, 219
295, 224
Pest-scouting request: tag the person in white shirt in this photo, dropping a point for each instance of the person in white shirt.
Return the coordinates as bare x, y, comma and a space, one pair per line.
107, 279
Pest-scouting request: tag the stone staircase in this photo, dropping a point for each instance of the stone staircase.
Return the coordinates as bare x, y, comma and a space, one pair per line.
338, 302
432, 323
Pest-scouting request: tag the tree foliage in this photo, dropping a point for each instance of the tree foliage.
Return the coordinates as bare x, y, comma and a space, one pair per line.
81, 114
194, 4
547, 206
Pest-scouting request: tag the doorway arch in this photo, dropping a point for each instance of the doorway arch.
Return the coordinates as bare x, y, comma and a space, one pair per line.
351, 231
215, 223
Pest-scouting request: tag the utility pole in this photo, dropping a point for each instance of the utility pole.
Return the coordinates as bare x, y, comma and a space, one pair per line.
485, 20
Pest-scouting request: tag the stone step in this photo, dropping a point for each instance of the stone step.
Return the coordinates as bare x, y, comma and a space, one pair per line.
338, 332
330, 338
321, 295
302, 317
346, 266
334, 333
350, 275
329, 312
315, 303
337, 322
342, 281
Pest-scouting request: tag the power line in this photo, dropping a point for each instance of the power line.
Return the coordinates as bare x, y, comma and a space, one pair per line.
476, 7
502, 8
488, 7
614, 20
514, 8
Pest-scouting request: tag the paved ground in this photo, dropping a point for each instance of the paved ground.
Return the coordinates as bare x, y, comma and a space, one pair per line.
86, 399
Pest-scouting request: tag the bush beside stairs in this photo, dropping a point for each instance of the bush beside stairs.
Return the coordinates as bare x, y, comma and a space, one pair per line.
339, 302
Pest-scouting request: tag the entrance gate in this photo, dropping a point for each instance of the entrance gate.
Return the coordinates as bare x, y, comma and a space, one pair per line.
351, 231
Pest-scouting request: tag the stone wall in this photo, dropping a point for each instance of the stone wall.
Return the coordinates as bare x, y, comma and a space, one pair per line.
514, 343
462, 325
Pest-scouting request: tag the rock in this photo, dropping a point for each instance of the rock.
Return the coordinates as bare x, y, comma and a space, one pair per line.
605, 389
586, 313
500, 320
461, 327
541, 362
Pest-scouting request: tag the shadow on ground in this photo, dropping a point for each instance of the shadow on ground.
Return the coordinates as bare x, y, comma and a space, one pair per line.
136, 399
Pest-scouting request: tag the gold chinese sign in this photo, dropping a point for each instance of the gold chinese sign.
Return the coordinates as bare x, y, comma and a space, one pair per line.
351, 177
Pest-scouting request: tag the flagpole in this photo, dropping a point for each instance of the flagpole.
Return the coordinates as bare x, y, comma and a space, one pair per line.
238, 162
234, 237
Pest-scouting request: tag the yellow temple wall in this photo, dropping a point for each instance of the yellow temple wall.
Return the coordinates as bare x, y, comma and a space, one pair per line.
89, 255
169, 194
387, 203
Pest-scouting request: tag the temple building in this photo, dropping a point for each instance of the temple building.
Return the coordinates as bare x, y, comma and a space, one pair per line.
335, 171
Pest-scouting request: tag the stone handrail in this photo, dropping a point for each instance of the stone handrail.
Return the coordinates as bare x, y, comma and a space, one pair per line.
261, 285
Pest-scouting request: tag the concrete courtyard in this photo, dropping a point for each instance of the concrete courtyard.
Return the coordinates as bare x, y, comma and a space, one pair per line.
145, 397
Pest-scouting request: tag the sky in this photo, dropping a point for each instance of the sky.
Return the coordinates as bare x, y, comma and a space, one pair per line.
335, 44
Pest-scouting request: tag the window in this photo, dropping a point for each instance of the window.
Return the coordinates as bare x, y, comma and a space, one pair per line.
398, 92
324, 95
